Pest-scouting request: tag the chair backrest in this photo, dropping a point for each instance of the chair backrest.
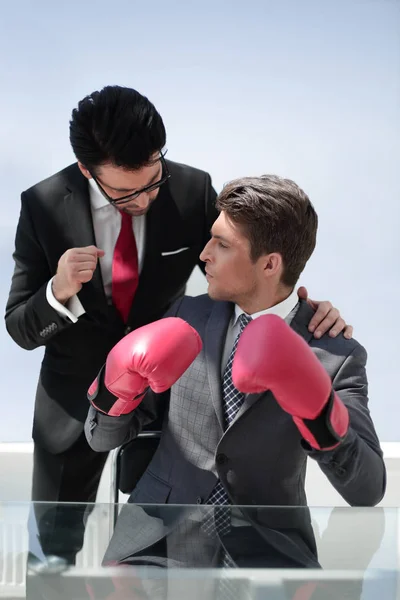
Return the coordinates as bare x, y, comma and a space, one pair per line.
133, 459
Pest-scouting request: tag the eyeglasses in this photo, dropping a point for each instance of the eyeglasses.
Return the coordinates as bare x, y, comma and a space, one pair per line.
149, 188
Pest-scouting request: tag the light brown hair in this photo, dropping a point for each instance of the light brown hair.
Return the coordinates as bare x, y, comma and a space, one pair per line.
276, 216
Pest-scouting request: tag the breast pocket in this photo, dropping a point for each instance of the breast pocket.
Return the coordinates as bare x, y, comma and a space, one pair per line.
173, 270
178, 264
173, 252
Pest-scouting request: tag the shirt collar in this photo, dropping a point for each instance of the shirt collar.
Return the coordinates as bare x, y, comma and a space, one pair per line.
97, 199
283, 309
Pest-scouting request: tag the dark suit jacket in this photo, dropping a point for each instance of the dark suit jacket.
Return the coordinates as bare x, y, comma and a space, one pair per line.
55, 216
261, 458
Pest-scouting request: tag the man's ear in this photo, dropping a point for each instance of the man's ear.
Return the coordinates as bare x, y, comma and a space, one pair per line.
84, 171
272, 264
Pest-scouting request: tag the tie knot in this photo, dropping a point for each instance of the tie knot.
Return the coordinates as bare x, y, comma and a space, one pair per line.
126, 218
243, 321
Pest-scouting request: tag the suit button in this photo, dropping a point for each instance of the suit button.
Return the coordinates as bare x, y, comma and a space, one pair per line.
199, 500
128, 330
221, 459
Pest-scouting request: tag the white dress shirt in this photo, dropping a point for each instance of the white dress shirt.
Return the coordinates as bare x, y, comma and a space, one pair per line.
106, 224
283, 310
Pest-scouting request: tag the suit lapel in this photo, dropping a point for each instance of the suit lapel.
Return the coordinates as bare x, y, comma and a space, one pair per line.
215, 335
299, 323
80, 233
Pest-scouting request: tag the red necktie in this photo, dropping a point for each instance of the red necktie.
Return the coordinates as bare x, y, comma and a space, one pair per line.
125, 272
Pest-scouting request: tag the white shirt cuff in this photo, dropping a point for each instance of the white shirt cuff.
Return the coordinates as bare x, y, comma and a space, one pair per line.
73, 308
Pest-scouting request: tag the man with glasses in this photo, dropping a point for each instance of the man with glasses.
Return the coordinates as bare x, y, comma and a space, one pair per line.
103, 247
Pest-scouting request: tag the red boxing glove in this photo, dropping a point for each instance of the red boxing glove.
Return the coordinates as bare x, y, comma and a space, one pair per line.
154, 356
271, 356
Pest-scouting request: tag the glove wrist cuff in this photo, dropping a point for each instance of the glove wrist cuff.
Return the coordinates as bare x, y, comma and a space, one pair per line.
99, 396
329, 429
106, 402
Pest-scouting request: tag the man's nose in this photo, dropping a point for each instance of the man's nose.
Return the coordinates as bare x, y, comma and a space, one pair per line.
204, 255
142, 201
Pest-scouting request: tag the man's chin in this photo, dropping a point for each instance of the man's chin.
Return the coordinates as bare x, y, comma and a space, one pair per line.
137, 213
216, 294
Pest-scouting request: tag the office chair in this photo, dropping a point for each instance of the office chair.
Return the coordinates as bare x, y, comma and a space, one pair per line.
130, 462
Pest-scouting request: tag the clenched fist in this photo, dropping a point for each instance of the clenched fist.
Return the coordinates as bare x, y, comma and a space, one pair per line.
75, 267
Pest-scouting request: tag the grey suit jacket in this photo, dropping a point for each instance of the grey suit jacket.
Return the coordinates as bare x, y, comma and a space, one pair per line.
177, 536
261, 458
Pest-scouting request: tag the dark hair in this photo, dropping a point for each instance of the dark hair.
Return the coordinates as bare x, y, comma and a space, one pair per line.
276, 216
116, 125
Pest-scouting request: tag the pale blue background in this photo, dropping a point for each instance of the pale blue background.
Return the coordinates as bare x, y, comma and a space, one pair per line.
305, 89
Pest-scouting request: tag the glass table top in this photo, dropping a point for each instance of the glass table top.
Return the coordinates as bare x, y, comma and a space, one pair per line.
165, 551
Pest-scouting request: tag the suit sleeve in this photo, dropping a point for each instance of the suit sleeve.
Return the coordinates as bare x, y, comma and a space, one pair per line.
105, 433
72, 309
356, 467
29, 318
210, 214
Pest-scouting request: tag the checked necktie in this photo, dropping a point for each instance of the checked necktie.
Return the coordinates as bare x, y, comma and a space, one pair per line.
125, 271
232, 398
232, 401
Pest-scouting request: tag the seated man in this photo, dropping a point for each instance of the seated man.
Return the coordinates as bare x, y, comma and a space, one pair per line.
243, 415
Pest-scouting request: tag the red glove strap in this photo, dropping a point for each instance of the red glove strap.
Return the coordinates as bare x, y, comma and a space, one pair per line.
330, 427
104, 401
122, 407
